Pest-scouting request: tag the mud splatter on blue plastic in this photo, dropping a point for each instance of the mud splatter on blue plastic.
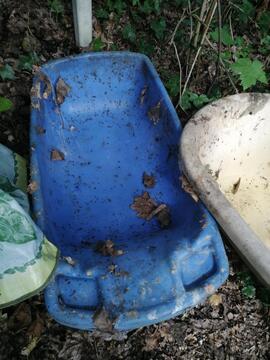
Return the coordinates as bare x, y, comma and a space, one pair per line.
108, 141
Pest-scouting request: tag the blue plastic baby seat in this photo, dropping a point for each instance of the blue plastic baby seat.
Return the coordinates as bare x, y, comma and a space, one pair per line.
100, 123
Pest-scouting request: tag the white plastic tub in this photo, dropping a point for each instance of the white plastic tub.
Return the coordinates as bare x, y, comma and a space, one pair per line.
225, 153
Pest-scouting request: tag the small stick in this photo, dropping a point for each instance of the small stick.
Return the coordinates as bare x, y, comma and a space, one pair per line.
208, 22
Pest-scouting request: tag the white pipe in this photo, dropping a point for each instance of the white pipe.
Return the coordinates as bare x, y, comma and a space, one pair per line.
82, 15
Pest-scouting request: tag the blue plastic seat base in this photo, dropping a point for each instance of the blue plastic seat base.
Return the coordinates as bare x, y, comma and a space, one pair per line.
91, 149
155, 279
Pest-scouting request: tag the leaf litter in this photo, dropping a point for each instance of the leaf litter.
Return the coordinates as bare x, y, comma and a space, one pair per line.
107, 248
147, 208
62, 90
57, 155
149, 181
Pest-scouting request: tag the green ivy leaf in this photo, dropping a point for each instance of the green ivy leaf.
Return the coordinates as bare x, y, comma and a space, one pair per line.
97, 44
129, 33
248, 11
264, 22
249, 291
26, 62
190, 99
225, 36
249, 72
146, 47
7, 73
56, 6
101, 13
173, 85
159, 26
5, 104
265, 45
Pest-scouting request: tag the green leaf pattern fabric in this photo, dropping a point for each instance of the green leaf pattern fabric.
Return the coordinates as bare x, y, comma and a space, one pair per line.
27, 258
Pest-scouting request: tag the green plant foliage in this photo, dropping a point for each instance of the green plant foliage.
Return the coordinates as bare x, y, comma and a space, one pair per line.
7, 72
190, 99
172, 84
117, 6
129, 33
102, 13
265, 45
97, 45
148, 6
146, 47
56, 7
248, 286
264, 22
225, 36
249, 72
5, 104
26, 62
248, 11
159, 26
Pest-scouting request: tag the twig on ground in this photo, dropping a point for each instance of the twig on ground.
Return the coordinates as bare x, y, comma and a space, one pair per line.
203, 9
209, 17
224, 66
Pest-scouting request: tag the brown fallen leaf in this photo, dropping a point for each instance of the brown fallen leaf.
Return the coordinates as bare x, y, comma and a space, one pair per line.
144, 205
32, 187
35, 90
236, 186
21, 317
164, 217
143, 94
154, 113
48, 87
102, 320
62, 90
151, 343
57, 155
34, 333
37, 327
187, 187
149, 181
107, 248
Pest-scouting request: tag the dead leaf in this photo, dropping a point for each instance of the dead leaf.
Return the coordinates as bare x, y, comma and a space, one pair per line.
62, 90
154, 113
32, 187
40, 130
215, 300
147, 208
107, 248
57, 155
48, 87
164, 217
151, 343
187, 187
37, 327
156, 211
21, 317
102, 320
26, 351
69, 260
236, 186
143, 94
149, 181
96, 27
35, 90
144, 205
